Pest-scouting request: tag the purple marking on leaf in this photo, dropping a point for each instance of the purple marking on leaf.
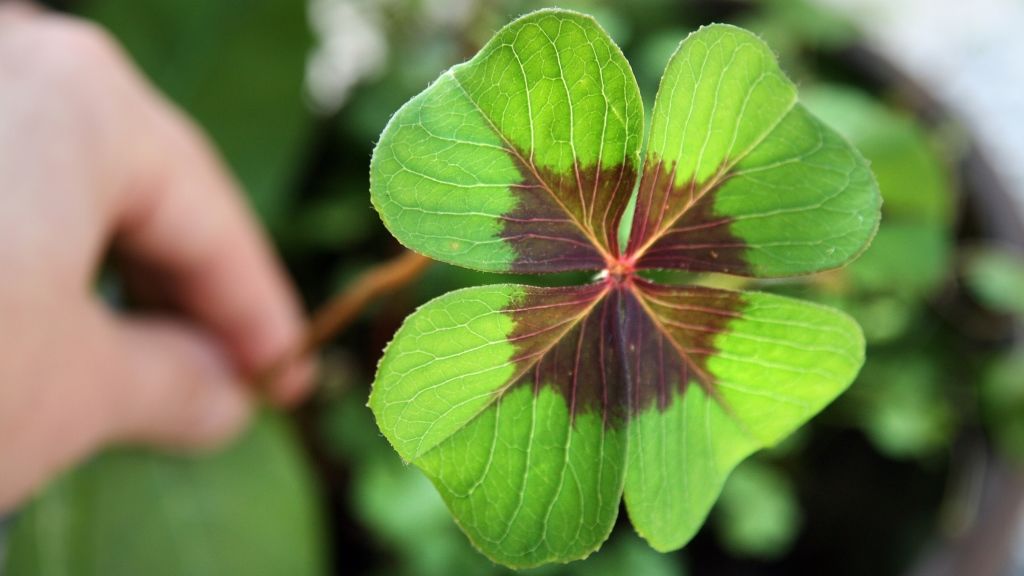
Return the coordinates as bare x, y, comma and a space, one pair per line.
677, 227
654, 370
565, 338
545, 238
690, 318
618, 346
566, 221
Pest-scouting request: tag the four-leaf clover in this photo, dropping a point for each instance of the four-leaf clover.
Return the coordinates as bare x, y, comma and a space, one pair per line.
536, 410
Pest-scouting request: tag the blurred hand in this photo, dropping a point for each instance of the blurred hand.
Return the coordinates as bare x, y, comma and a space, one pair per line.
94, 161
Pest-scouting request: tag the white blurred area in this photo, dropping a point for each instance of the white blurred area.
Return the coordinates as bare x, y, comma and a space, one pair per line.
352, 42
969, 54
351, 46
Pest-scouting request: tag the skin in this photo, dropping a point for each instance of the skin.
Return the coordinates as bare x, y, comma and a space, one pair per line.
96, 166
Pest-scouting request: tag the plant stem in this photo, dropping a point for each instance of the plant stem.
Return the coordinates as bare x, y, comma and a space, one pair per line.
343, 309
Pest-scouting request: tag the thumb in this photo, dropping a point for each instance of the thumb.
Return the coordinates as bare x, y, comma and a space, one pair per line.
165, 382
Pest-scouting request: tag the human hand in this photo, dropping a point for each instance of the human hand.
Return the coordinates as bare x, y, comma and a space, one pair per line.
93, 162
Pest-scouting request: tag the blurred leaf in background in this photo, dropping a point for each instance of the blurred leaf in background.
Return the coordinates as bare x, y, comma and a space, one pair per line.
795, 27
903, 405
250, 510
336, 220
995, 277
237, 67
758, 515
911, 256
1002, 402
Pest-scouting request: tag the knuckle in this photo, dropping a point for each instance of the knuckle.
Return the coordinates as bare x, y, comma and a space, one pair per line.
77, 46
70, 75
63, 51
79, 39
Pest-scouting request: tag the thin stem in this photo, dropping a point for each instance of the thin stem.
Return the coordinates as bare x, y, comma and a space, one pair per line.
344, 308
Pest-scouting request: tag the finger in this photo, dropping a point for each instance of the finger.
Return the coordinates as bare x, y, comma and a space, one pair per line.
187, 225
164, 383
13, 11
106, 379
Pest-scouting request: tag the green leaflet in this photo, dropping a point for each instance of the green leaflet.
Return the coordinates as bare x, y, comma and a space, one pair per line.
521, 159
530, 479
528, 482
822, 220
443, 368
416, 173
771, 379
528, 486
534, 411
739, 177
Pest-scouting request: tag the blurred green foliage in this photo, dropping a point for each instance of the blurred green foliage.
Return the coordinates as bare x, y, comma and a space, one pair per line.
902, 404
995, 277
1002, 397
758, 514
793, 27
236, 66
250, 510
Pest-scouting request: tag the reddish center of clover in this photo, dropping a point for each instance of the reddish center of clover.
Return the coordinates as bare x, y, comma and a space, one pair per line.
620, 270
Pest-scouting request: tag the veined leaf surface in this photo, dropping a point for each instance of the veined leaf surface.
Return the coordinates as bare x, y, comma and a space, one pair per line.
740, 178
520, 160
532, 408
536, 410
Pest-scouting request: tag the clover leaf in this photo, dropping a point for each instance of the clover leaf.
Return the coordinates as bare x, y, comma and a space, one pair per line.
534, 411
